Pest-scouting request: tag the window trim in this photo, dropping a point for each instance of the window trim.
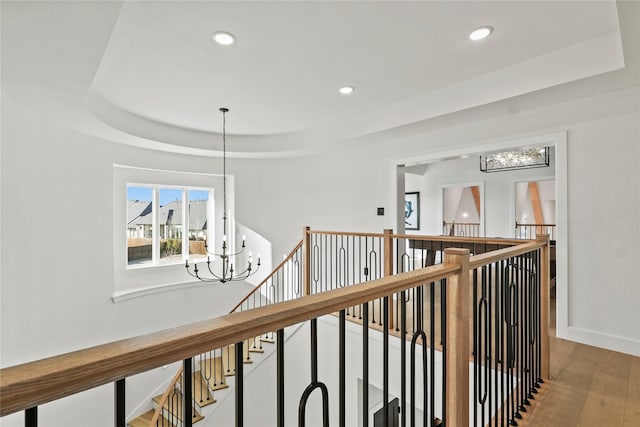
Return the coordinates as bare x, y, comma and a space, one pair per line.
128, 282
156, 259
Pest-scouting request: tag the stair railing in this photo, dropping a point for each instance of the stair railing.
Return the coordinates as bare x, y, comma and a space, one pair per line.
461, 229
283, 283
530, 231
165, 396
25, 386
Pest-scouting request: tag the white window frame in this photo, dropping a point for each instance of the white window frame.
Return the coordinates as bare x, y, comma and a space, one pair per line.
138, 281
156, 260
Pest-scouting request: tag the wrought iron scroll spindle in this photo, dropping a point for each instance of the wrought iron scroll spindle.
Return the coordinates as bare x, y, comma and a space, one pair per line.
403, 359
315, 384
419, 334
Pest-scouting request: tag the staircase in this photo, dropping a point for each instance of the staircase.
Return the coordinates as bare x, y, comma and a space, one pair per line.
210, 376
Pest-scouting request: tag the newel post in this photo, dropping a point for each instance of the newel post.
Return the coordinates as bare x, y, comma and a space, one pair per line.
306, 262
545, 279
388, 267
457, 339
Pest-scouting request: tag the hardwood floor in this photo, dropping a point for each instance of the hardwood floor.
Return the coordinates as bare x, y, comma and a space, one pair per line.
589, 387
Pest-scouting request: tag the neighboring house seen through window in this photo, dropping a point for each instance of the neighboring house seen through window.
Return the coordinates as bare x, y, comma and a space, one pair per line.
165, 225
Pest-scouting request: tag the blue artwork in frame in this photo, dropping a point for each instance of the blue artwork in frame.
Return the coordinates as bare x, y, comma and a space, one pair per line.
412, 211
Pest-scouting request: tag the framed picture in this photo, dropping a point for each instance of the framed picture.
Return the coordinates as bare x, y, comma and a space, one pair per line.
412, 211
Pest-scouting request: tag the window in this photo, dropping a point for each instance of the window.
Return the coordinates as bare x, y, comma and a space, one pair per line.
166, 224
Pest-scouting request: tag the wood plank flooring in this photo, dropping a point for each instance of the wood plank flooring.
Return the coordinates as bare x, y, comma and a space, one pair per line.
590, 386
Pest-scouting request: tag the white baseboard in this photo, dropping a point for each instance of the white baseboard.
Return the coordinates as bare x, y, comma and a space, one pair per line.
598, 339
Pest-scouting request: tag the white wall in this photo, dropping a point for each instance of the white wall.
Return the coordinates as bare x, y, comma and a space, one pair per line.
57, 271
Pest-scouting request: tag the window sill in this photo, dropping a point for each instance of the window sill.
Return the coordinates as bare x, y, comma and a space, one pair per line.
129, 294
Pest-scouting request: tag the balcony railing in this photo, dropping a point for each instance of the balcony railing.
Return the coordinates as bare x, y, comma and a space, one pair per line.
462, 229
490, 309
530, 231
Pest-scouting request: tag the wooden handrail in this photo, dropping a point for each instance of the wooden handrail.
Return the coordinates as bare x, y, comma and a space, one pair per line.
275, 270
519, 224
165, 396
460, 223
35, 383
347, 233
460, 239
487, 258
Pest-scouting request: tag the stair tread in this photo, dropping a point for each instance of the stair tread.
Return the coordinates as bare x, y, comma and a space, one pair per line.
177, 407
144, 420
212, 369
201, 394
229, 359
254, 345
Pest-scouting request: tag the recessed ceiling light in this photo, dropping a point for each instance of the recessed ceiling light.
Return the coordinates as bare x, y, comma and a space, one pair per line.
480, 33
224, 38
346, 90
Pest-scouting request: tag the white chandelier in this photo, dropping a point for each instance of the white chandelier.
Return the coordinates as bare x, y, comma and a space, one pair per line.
525, 158
227, 271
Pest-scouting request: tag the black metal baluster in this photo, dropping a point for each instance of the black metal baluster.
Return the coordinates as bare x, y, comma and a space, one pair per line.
327, 256
539, 379
342, 371
31, 417
490, 343
280, 377
239, 385
476, 328
511, 318
333, 259
521, 333
500, 284
531, 308
432, 354
385, 358
403, 360
497, 339
359, 271
119, 398
187, 393
484, 345
314, 383
419, 333
365, 364
443, 342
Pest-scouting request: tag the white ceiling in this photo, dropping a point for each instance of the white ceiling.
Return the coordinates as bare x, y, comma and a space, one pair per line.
147, 73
